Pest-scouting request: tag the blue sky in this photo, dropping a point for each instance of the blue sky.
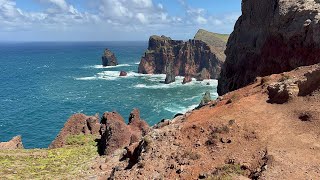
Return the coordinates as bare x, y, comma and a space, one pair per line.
113, 20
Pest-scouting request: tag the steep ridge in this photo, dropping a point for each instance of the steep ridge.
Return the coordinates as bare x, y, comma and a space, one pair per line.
175, 57
271, 37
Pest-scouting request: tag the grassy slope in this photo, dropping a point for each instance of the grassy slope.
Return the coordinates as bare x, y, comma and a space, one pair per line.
211, 37
70, 162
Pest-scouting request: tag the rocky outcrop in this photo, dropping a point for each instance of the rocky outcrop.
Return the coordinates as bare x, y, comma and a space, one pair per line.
170, 73
271, 37
290, 87
204, 74
77, 124
109, 59
123, 73
116, 134
187, 79
174, 57
14, 143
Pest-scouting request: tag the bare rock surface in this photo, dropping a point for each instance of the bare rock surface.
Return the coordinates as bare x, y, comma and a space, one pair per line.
14, 143
238, 136
179, 58
109, 59
77, 124
116, 134
271, 36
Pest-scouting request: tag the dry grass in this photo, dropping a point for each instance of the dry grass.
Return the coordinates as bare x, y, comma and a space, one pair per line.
70, 162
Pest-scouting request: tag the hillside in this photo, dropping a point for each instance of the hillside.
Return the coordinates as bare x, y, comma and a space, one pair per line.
211, 38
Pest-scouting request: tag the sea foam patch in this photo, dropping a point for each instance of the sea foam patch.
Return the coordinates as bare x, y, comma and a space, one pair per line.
174, 108
107, 67
177, 83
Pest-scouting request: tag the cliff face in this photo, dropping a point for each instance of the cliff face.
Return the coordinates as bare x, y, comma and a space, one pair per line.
108, 58
271, 37
188, 58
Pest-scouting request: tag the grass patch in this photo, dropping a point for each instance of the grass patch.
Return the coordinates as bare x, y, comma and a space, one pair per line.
80, 140
210, 37
70, 162
226, 172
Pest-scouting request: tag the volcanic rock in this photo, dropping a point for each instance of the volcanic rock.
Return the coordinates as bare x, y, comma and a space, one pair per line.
186, 79
108, 58
14, 143
170, 74
123, 73
175, 57
77, 124
204, 74
271, 37
116, 134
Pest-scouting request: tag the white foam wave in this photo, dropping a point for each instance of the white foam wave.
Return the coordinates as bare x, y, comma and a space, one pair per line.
137, 63
180, 109
178, 83
107, 67
86, 78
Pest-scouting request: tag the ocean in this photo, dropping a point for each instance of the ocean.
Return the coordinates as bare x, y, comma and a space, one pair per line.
43, 83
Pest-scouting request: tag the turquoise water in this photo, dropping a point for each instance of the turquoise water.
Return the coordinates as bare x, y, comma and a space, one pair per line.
43, 84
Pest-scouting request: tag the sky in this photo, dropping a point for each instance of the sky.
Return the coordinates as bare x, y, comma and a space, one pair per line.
113, 20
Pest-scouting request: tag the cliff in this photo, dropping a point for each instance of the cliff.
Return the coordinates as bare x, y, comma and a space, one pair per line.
271, 37
174, 57
268, 129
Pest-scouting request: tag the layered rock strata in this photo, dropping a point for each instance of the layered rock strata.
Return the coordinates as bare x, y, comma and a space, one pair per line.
174, 57
271, 37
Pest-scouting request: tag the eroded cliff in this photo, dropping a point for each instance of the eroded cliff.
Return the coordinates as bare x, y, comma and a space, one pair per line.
174, 57
271, 37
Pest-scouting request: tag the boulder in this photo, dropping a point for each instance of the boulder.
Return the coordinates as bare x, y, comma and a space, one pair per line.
271, 37
187, 79
123, 73
14, 143
77, 124
109, 59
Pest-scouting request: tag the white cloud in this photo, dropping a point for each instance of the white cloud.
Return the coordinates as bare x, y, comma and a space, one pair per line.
142, 17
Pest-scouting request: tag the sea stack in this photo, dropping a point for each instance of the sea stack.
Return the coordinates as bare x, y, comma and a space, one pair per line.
170, 74
109, 59
270, 37
204, 53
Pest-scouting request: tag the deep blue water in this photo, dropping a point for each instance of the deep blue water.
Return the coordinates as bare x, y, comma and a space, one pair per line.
43, 84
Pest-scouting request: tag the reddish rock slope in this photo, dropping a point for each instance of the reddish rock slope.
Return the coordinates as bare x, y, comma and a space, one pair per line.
242, 135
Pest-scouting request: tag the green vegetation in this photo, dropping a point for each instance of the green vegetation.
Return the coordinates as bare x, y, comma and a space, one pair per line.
226, 172
80, 140
210, 37
70, 162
